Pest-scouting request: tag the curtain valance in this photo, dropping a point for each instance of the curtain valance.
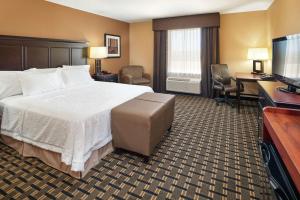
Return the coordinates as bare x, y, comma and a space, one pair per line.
191, 21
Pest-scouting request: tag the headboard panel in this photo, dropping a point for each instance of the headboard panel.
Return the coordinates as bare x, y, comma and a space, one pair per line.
21, 53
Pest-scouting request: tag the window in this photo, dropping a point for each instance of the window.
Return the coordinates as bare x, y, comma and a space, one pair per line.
184, 53
292, 57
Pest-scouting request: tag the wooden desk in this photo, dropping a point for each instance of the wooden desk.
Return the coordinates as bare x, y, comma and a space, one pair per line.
244, 77
282, 129
276, 97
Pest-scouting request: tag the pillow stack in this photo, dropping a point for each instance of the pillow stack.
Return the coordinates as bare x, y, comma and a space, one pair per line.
34, 83
39, 81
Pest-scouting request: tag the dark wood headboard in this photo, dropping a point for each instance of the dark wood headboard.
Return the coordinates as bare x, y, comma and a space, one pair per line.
21, 53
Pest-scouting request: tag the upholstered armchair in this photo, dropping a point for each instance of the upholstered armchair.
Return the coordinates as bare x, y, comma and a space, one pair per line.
222, 83
134, 74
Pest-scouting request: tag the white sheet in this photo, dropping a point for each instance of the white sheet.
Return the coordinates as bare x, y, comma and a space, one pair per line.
73, 121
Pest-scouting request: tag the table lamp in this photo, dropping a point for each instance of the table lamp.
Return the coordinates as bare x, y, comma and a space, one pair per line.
98, 53
258, 55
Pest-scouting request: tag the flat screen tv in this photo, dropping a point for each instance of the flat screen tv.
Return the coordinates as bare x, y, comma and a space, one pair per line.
286, 61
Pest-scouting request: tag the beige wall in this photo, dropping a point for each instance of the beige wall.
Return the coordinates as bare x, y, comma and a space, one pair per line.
238, 32
284, 16
141, 45
38, 18
256, 29
283, 19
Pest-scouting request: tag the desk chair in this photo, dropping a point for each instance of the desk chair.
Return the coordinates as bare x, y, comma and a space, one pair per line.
222, 83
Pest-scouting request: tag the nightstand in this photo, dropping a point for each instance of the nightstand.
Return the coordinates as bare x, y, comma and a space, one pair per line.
107, 77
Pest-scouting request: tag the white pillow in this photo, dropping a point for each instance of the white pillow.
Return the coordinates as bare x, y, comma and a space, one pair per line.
75, 76
9, 84
44, 70
87, 67
47, 70
39, 83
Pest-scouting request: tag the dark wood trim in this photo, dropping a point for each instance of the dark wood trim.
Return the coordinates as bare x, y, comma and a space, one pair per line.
23, 59
49, 54
23, 38
19, 53
189, 21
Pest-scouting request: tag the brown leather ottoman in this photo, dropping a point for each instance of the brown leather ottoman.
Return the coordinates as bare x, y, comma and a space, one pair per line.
139, 124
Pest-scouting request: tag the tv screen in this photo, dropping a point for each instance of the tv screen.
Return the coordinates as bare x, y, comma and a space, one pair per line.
286, 59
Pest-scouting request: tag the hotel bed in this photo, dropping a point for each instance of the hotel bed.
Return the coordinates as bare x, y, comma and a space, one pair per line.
67, 128
73, 122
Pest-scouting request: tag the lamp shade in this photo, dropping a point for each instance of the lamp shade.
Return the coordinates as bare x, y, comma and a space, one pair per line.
98, 52
258, 54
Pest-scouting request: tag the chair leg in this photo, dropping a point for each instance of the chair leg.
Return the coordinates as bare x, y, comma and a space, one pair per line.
217, 98
227, 100
146, 159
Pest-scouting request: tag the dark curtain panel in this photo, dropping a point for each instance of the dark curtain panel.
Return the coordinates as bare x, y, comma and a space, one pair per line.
209, 55
160, 61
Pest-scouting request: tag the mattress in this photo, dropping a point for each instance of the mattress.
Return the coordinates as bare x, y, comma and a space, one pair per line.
73, 122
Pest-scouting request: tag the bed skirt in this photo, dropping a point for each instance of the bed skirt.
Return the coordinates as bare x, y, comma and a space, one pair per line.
53, 159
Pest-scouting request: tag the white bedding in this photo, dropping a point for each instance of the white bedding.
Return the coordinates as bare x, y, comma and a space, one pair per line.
73, 121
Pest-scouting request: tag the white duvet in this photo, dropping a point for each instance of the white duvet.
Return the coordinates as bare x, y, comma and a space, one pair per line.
73, 121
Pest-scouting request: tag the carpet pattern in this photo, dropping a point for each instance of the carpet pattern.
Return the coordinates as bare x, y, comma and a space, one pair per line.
210, 153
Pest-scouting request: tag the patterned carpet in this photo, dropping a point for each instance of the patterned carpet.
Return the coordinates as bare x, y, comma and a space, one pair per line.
211, 153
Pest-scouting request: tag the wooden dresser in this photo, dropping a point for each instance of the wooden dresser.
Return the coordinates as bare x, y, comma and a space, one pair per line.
280, 149
279, 123
270, 95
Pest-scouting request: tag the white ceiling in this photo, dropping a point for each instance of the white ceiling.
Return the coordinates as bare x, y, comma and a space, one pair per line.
142, 10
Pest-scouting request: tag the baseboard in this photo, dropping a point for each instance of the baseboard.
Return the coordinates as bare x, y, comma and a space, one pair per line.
249, 98
182, 93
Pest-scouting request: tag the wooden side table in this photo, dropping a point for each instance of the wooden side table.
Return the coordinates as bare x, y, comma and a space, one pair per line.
107, 77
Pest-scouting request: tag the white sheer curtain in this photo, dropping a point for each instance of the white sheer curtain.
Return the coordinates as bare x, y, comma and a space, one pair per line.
292, 60
184, 53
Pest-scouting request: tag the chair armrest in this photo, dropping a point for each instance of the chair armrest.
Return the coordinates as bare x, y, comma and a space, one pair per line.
218, 83
147, 76
126, 79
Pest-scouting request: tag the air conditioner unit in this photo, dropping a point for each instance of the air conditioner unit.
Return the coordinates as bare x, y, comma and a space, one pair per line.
184, 85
